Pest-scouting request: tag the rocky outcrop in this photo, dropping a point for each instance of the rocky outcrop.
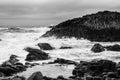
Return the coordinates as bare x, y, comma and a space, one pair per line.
102, 26
36, 54
92, 70
45, 46
97, 48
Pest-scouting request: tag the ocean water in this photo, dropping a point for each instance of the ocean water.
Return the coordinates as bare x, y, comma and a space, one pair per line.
15, 40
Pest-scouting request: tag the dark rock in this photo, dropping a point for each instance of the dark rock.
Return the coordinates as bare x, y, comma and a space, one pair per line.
115, 47
97, 48
18, 78
102, 26
112, 75
63, 61
36, 54
36, 76
60, 77
94, 68
65, 47
89, 78
12, 66
45, 46
48, 78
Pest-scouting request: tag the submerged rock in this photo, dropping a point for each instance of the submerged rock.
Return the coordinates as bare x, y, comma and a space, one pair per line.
98, 48
45, 46
36, 54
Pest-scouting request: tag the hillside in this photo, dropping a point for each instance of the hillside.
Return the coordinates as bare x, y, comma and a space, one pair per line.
102, 26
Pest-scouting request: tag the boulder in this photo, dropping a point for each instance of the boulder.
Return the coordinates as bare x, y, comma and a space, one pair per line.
97, 48
36, 76
45, 46
36, 54
12, 66
94, 68
115, 47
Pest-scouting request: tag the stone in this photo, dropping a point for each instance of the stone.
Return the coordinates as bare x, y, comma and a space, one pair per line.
97, 48
36, 76
36, 54
45, 46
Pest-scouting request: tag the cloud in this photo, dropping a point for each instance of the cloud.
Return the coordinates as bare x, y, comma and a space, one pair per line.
51, 11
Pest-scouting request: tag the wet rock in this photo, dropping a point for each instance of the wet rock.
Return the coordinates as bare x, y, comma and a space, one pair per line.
115, 47
36, 76
12, 66
94, 68
36, 54
63, 61
65, 47
18, 78
112, 75
60, 77
97, 48
45, 46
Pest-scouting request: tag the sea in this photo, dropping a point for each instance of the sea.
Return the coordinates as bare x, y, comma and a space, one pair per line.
15, 40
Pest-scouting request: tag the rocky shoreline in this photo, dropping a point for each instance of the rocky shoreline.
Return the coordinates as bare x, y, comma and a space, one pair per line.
98, 69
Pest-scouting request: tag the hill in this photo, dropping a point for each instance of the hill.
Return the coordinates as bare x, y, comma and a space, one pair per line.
102, 26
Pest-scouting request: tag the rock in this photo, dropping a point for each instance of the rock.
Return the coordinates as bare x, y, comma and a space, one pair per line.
18, 78
102, 26
115, 47
45, 46
97, 48
36, 76
63, 61
12, 66
65, 47
94, 68
36, 54
112, 75
60, 77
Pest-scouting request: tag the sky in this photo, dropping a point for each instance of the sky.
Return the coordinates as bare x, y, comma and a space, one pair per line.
47, 12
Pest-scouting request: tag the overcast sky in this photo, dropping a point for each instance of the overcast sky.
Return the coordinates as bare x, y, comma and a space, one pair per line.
46, 12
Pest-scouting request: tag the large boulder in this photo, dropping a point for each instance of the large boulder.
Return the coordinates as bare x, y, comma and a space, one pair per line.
115, 47
36, 76
36, 54
97, 48
45, 46
94, 68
